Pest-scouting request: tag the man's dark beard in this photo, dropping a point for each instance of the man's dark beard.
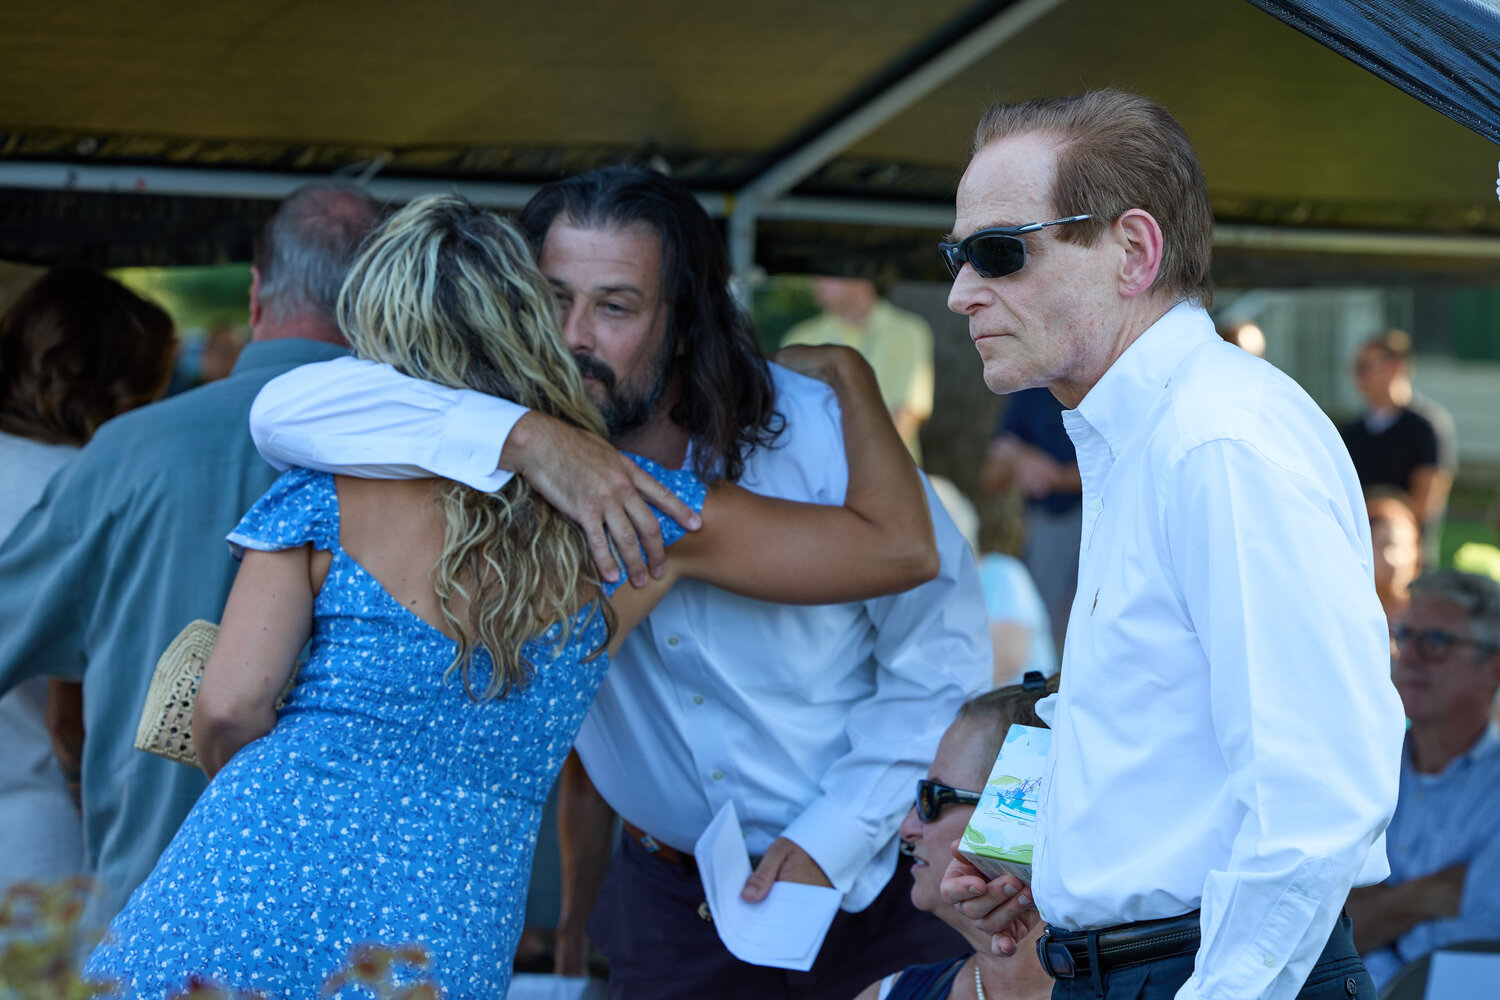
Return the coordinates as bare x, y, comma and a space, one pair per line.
621, 415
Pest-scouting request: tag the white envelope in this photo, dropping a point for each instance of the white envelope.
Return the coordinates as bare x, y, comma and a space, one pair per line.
784, 930
1462, 975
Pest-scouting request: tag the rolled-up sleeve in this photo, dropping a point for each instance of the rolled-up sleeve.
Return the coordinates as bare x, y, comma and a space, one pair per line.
355, 417
931, 652
1279, 593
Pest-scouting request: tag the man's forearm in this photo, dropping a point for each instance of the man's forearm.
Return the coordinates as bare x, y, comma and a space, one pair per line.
359, 418
584, 822
1382, 913
64, 721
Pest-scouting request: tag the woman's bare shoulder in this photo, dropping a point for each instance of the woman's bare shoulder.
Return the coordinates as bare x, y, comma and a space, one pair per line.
382, 513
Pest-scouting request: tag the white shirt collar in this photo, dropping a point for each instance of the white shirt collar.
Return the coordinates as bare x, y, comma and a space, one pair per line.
1119, 401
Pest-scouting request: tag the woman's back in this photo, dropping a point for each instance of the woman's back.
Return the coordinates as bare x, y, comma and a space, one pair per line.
386, 804
394, 530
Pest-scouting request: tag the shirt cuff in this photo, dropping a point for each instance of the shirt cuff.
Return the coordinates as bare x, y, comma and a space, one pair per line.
475, 436
834, 839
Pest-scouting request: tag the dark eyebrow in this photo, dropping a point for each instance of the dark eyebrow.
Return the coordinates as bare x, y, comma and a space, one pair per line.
563, 286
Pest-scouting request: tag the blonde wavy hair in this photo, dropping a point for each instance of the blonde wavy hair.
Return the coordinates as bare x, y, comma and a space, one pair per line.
447, 292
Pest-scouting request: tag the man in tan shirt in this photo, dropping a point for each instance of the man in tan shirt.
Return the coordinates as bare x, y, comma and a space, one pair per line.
896, 343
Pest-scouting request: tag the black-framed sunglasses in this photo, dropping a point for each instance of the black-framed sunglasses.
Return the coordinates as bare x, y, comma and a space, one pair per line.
931, 797
995, 252
1432, 643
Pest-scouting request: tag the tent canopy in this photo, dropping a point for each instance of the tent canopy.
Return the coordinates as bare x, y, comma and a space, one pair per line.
829, 135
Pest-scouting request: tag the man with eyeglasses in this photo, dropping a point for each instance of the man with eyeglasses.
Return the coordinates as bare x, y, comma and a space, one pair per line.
1445, 836
1226, 738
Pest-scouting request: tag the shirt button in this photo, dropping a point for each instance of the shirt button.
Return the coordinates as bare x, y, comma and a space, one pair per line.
672, 640
697, 699
1270, 962
718, 775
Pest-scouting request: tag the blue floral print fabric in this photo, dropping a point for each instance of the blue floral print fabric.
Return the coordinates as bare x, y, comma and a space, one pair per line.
385, 806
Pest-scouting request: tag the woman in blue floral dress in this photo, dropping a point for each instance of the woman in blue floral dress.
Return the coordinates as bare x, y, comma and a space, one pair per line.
457, 640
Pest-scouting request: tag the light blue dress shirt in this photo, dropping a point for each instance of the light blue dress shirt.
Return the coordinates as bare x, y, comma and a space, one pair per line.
124, 549
1446, 819
815, 721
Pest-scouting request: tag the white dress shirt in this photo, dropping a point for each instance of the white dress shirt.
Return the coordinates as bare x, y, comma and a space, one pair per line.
815, 721
1226, 734
361, 418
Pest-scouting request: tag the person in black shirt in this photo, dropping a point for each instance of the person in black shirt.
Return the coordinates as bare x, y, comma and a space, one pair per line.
1393, 444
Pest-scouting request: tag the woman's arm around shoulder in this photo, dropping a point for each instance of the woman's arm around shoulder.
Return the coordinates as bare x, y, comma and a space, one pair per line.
880, 541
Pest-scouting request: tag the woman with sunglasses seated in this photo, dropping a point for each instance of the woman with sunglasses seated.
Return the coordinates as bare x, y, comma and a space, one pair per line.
945, 800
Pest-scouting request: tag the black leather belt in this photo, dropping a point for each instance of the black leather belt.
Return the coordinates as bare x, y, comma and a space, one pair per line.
1071, 954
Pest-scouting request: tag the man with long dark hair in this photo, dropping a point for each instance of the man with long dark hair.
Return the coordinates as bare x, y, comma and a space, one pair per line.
814, 722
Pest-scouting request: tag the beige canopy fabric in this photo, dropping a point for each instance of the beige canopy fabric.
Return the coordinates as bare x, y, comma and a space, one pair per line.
829, 134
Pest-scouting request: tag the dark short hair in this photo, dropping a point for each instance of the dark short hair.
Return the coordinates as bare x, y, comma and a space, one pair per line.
77, 348
727, 400
1120, 151
306, 247
1014, 704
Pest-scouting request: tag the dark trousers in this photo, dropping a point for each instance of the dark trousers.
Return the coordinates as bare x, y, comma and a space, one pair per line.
659, 948
1338, 975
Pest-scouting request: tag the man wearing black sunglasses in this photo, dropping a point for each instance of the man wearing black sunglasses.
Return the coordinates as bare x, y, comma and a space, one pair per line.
1445, 836
1226, 740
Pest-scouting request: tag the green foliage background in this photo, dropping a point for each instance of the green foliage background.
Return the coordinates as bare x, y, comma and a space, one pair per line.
199, 299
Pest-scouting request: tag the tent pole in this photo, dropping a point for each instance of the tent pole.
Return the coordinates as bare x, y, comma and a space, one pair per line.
797, 163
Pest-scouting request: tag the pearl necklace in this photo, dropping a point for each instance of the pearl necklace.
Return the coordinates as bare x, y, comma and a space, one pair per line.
978, 983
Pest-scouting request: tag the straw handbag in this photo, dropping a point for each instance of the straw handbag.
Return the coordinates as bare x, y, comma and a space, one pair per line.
166, 727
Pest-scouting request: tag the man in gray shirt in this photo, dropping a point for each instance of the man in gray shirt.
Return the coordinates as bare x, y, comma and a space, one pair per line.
127, 544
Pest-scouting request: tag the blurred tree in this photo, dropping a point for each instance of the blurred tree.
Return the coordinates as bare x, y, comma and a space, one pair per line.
780, 303
198, 298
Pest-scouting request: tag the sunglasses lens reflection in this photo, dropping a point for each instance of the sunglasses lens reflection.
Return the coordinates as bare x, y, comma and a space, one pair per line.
996, 256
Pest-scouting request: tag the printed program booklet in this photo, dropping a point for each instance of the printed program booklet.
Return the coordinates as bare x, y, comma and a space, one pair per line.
1001, 834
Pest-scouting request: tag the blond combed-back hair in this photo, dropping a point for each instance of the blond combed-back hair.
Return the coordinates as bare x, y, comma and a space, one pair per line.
1119, 151
447, 292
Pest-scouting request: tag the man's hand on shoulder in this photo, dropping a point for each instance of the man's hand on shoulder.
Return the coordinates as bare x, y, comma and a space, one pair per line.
784, 862
607, 494
1001, 908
